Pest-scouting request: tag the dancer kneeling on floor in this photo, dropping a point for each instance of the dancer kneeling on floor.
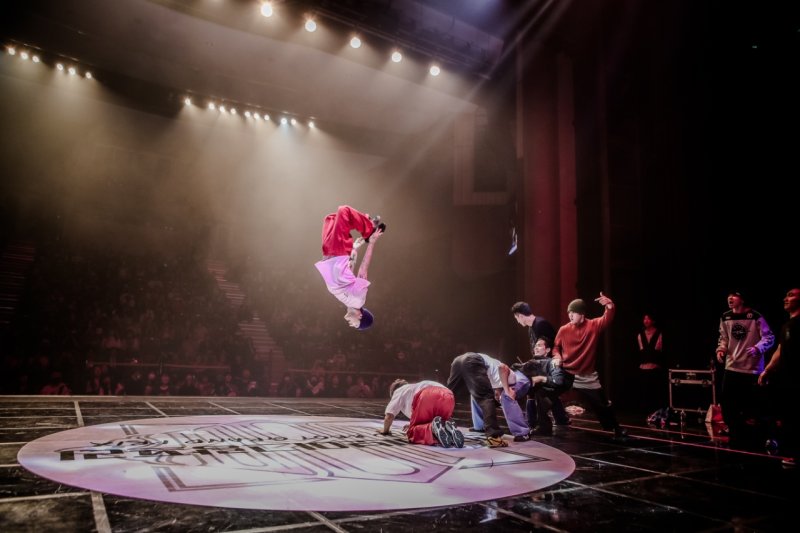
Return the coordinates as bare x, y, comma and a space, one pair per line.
429, 406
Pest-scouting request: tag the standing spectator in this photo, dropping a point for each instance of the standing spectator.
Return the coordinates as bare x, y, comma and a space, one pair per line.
576, 347
653, 380
744, 338
429, 407
538, 327
781, 372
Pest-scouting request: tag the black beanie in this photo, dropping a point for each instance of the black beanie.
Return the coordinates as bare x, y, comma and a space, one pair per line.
577, 306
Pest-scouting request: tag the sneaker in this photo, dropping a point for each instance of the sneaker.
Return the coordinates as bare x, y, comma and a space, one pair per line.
620, 435
379, 226
521, 438
542, 431
496, 442
440, 433
455, 435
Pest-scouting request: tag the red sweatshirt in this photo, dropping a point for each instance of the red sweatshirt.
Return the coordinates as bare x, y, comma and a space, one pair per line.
577, 345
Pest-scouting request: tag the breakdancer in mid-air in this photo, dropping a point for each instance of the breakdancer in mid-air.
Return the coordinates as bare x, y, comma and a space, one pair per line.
339, 255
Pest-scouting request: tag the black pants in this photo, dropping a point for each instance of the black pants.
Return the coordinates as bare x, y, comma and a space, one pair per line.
740, 400
468, 371
599, 404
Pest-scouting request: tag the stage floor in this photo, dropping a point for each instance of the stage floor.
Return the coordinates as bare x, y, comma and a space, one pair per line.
659, 481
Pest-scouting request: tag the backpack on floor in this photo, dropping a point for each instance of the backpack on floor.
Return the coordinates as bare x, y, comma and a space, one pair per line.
661, 418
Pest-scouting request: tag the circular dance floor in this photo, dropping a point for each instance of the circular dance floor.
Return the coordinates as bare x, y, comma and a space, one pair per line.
288, 463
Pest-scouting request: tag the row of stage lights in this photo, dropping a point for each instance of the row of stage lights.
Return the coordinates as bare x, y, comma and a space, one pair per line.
25, 55
248, 115
267, 10
71, 70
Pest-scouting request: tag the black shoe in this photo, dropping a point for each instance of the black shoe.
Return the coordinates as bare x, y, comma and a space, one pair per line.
455, 435
476, 430
379, 226
620, 435
521, 438
542, 431
440, 433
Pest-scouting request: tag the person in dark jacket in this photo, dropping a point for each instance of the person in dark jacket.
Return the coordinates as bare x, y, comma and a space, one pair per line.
548, 382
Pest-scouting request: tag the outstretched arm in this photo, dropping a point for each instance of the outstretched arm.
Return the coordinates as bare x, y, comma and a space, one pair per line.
362, 270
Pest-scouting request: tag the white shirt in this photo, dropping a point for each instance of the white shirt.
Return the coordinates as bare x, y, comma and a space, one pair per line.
493, 371
342, 283
403, 397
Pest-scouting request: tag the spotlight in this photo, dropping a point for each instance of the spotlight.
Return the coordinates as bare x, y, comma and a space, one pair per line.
233, 111
355, 42
294, 122
24, 55
72, 71
266, 9
256, 116
397, 56
35, 59
222, 109
435, 70
187, 101
266, 117
284, 121
311, 124
311, 26
88, 75
12, 51
247, 114
211, 106
59, 66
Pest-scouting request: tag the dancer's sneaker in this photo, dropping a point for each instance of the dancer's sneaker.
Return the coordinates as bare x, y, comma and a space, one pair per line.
620, 435
379, 226
440, 433
542, 431
456, 436
521, 438
496, 442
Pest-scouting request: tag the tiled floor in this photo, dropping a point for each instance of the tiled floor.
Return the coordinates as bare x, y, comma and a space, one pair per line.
659, 481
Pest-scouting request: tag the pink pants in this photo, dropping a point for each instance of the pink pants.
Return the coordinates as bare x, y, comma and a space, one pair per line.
429, 403
336, 238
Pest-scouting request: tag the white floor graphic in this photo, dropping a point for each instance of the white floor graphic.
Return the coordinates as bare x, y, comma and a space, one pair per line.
298, 463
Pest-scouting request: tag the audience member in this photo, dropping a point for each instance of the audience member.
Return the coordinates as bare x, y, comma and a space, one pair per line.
744, 338
653, 372
781, 372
